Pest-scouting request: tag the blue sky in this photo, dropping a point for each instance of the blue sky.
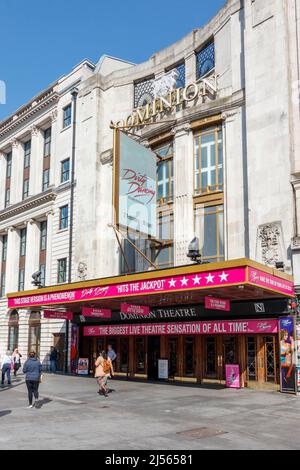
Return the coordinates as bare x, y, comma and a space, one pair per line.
41, 40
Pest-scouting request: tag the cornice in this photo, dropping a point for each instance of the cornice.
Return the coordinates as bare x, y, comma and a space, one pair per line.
27, 112
28, 204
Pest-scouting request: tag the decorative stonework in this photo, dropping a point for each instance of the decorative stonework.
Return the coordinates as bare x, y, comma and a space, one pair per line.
181, 129
82, 271
163, 85
295, 243
269, 244
229, 114
54, 115
14, 143
106, 157
35, 131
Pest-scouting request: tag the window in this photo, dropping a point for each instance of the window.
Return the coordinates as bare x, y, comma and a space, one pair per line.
63, 217
46, 174
2, 287
21, 279
143, 93
23, 242
208, 162
205, 60
65, 170
27, 152
209, 225
43, 240
165, 177
47, 142
25, 188
180, 82
8, 164
13, 331
62, 270
42, 276
4, 247
163, 256
7, 197
67, 116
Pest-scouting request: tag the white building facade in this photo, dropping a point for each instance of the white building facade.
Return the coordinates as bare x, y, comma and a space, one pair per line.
227, 173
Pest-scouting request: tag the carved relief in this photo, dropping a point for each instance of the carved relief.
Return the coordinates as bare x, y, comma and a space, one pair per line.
163, 85
82, 271
270, 247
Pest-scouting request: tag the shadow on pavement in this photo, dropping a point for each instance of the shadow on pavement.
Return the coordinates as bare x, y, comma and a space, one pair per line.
4, 413
42, 402
6, 387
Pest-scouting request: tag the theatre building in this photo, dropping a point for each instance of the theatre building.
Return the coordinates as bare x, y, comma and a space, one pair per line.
199, 142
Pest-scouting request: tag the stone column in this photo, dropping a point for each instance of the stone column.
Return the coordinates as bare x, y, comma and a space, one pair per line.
12, 263
16, 183
36, 161
2, 178
32, 252
183, 197
48, 280
53, 164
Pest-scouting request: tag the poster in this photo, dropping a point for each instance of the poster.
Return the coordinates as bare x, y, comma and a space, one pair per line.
232, 375
83, 366
163, 368
134, 185
287, 355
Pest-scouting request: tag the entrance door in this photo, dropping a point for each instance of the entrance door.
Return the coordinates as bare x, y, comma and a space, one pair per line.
153, 356
59, 344
210, 357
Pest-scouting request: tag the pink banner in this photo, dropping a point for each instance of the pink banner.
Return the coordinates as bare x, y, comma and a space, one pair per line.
96, 312
213, 303
136, 309
55, 314
187, 328
263, 279
203, 280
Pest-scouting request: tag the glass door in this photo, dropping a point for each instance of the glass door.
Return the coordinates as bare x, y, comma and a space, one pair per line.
210, 357
251, 358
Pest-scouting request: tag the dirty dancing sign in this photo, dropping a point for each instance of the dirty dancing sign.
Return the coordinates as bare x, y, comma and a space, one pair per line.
135, 185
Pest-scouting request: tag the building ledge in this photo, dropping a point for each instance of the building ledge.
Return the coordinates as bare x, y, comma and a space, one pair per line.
29, 203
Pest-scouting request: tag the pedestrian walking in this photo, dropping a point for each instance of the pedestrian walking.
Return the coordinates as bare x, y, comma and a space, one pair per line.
16, 361
33, 371
111, 354
53, 359
104, 370
6, 367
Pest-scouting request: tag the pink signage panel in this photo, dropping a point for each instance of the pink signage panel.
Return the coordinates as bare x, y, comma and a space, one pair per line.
136, 309
232, 372
214, 303
96, 312
186, 328
263, 279
180, 283
58, 315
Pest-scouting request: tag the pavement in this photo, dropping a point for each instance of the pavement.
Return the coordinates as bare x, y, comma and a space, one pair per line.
146, 416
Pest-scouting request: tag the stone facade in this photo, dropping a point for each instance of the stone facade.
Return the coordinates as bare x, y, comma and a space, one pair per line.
256, 107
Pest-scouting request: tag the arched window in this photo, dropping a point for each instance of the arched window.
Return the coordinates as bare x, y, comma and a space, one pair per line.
13, 330
34, 338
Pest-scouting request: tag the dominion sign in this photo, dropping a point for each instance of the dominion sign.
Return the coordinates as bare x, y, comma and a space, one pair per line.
169, 102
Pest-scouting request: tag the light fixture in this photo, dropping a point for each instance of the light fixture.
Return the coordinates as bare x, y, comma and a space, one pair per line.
193, 251
37, 279
279, 265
